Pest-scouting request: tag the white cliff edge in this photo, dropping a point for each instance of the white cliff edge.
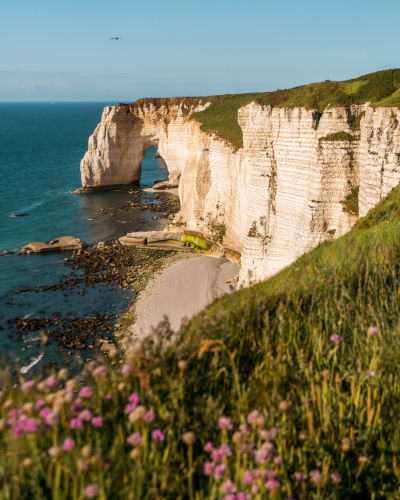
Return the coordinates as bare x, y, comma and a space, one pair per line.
274, 199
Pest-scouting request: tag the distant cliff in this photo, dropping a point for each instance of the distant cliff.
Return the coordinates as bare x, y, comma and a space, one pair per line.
273, 179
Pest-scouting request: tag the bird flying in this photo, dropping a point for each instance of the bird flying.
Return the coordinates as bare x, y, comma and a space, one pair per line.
116, 38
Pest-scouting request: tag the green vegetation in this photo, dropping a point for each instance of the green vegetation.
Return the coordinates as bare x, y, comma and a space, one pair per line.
295, 382
380, 88
356, 123
338, 136
350, 204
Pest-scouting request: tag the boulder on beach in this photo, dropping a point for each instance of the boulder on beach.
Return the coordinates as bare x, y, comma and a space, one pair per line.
63, 243
162, 185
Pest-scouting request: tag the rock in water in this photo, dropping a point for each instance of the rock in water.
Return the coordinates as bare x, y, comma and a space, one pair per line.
63, 243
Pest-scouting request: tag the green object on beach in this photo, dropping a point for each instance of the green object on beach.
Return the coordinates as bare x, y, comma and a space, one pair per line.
196, 240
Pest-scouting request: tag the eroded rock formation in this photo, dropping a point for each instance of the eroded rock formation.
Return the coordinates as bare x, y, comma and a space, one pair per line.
274, 199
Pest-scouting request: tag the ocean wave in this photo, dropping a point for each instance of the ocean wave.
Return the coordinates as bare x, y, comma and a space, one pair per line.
36, 360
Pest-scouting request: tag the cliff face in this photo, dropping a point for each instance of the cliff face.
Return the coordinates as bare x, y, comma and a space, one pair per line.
274, 199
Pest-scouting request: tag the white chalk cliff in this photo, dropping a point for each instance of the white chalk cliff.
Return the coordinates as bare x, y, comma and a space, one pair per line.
274, 199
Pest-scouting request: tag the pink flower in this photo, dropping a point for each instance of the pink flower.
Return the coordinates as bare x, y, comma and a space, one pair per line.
371, 374
85, 415
76, 423
229, 487
99, 371
300, 477
208, 447
157, 435
272, 484
230, 497
97, 421
316, 477
217, 456
254, 489
208, 468
109, 397
243, 496
53, 419
68, 444
336, 339
373, 330
14, 413
225, 423
245, 429
51, 382
31, 425
69, 390
86, 392
27, 386
126, 369
260, 456
134, 439
248, 477
336, 478
40, 404
148, 416
252, 417
17, 431
277, 460
225, 449
45, 413
219, 471
267, 474
76, 406
84, 465
91, 490
134, 398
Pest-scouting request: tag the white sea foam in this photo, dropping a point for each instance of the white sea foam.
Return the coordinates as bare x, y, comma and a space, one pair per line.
36, 360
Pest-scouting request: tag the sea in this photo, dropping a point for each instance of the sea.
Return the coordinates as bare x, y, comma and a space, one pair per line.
41, 145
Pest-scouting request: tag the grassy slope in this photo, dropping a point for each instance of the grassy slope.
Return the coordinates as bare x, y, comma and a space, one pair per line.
377, 88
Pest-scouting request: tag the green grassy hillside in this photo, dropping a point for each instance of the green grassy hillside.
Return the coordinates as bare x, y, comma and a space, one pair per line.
381, 89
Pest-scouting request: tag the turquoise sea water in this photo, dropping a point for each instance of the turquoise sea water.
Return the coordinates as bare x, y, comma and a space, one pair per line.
41, 145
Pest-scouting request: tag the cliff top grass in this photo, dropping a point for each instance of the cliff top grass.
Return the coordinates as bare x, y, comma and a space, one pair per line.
287, 389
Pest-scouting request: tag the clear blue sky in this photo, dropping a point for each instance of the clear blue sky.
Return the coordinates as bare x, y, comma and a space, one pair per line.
59, 50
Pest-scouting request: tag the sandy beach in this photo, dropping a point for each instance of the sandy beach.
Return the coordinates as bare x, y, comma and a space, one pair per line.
182, 290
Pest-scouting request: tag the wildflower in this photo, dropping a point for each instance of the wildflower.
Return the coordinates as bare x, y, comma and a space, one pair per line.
121, 386
14, 413
51, 382
3, 425
182, 365
229, 487
27, 463
208, 447
217, 455
230, 497
326, 374
134, 439
189, 438
8, 404
265, 474
53, 419
86, 392
371, 373
135, 453
243, 496
54, 452
85, 415
41, 386
157, 435
219, 471
129, 408
252, 417
31, 425
225, 423
277, 460
272, 484
91, 490
246, 447
267, 446
90, 366
362, 460
99, 371
40, 404
336, 478
137, 414
68, 444
109, 397
300, 477
260, 421
254, 489
126, 369
27, 386
76, 423
336, 339
83, 465
316, 477
245, 429
248, 477
86, 451
208, 468
273, 433
28, 408
303, 436
260, 456
237, 438
373, 330
134, 398
284, 406
70, 383
63, 374
97, 421
346, 444
76, 407
148, 416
